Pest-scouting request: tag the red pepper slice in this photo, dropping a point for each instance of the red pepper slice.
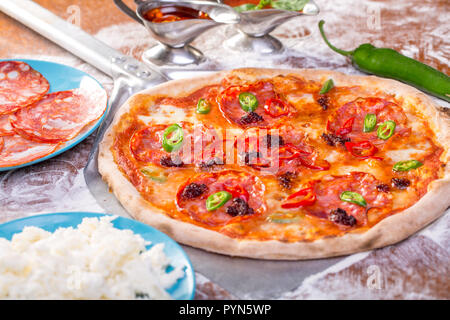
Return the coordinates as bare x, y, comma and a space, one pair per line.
237, 192
308, 199
362, 149
259, 163
276, 107
255, 143
292, 152
316, 165
329, 125
346, 128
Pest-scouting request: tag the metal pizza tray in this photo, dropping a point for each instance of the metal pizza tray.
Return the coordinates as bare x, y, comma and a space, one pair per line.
243, 278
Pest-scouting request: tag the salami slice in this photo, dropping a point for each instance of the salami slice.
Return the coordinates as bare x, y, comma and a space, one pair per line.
146, 144
348, 120
328, 203
249, 189
279, 150
20, 86
200, 144
5, 126
59, 116
17, 150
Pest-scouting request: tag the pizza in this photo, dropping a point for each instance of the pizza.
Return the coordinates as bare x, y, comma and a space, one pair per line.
35, 123
280, 164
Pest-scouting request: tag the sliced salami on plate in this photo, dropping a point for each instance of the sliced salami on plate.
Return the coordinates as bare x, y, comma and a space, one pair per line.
20, 86
5, 126
60, 116
15, 150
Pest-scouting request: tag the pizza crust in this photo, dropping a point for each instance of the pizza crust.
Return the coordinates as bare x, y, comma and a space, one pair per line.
389, 231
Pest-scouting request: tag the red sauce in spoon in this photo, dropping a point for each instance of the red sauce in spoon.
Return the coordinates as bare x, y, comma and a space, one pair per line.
172, 13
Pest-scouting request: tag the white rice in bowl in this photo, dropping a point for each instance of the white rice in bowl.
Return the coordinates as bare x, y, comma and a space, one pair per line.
93, 261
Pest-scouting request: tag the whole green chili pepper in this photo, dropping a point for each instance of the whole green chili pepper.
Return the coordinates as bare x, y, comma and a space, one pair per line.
389, 63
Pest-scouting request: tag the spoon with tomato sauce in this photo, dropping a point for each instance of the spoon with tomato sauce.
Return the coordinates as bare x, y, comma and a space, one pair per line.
175, 24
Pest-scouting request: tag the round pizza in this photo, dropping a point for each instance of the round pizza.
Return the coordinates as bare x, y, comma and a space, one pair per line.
280, 164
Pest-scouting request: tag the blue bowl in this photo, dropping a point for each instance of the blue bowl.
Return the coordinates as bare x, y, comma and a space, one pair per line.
183, 289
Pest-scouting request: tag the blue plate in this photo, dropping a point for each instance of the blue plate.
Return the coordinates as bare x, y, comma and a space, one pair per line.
183, 289
61, 78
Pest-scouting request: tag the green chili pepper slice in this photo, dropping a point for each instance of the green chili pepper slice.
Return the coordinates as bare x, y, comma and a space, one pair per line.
248, 101
353, 197
173, 138
407, 165
203, 106
216, 200
327, 86
283, 218
386, 130
154, 175
370, 121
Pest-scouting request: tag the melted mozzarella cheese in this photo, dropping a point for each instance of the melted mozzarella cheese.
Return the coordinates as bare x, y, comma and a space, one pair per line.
368, 166
406, 154
166, 113
296, 99
333, 156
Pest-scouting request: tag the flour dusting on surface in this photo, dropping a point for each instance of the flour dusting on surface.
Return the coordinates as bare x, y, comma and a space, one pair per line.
387, 273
